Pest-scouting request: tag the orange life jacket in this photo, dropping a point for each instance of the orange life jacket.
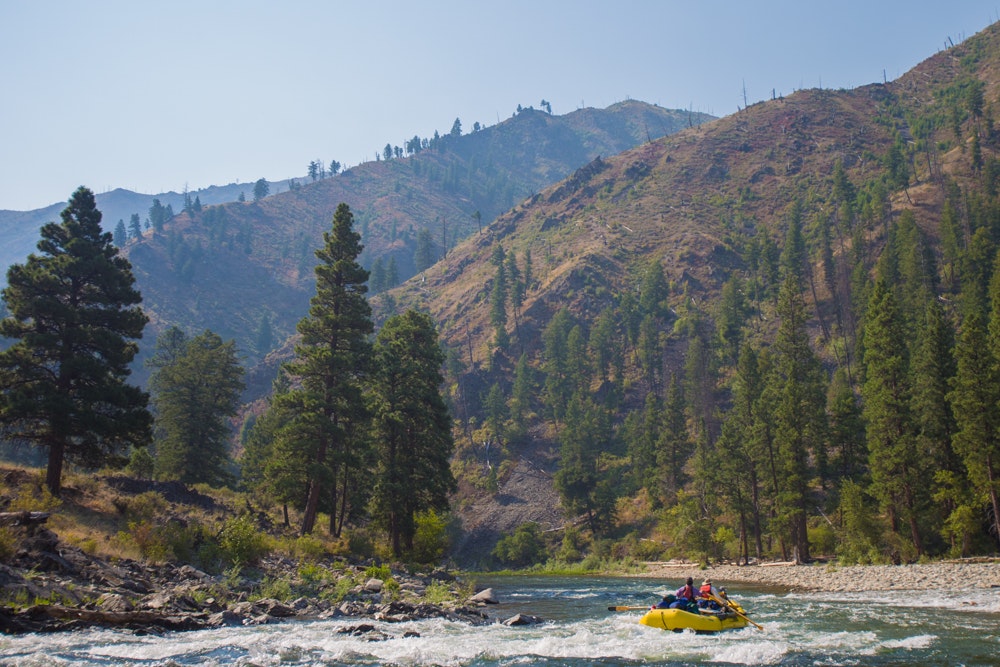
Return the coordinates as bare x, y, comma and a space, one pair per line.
705, 590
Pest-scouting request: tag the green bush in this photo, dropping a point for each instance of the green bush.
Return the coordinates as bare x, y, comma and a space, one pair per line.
360, 544
438, 592
275, 589
308, 548
572, 547
431, 539
148, 506
141, 464
241, 542
525, 547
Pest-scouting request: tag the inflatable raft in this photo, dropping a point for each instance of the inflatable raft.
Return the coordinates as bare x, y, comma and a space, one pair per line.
677, 620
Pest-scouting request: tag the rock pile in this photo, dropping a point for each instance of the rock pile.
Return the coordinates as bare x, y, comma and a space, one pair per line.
51, 586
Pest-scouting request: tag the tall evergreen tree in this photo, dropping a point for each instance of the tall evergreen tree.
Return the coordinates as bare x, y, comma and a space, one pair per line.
74, 317
673, 446
975, 400
412, 426
331, 362
135, 227
847, 430
582, 487
423, 256
195, 395
898, 480
120, 236
498, 299
555, 364
739, 459
800, 418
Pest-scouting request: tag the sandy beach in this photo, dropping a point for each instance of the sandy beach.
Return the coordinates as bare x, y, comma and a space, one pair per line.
833, 577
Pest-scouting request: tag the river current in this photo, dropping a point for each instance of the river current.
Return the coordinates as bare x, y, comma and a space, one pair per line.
960, 627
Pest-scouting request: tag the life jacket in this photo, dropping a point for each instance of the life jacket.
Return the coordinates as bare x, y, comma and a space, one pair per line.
705, 590
687, 592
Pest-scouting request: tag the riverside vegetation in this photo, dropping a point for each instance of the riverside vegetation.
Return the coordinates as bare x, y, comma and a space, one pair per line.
153, 555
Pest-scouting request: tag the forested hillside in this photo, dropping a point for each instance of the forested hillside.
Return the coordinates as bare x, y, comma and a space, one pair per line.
245, 269
773, 335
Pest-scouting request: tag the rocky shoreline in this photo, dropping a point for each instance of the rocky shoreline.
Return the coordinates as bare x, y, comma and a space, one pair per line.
49, 586
828, 577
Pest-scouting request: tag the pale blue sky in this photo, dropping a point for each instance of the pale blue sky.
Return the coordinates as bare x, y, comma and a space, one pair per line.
152, 96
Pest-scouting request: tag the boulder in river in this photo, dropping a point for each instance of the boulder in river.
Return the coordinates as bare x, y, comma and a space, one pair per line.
484, 596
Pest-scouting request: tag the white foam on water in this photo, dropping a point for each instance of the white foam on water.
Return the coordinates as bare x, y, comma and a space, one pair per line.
916, 642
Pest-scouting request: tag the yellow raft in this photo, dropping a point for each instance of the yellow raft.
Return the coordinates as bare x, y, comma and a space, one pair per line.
677, 620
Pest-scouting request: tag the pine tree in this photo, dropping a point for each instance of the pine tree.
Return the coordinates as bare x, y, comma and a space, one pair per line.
673, 446
847, 429
135, 227
898, 481
195, 395
74, 319
582, 487
498, 300
423, 256
555, 364
331, 362
739, 461
120, 236
412, 426
800, 418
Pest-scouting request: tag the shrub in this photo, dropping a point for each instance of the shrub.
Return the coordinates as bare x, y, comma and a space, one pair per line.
572, 547
341, 588
241, 542
308, 548
148, 506
360, 544
140, 464
431, 539
34, 497
275, 589
525, 547
438, 592
148, 539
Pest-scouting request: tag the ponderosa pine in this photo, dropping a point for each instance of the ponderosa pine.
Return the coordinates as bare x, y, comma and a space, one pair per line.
75, 319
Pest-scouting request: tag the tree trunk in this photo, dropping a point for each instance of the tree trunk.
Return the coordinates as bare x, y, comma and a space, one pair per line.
53, 473
994, 499
312, 506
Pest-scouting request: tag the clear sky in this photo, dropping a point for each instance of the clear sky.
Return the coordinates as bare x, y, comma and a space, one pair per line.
153, 96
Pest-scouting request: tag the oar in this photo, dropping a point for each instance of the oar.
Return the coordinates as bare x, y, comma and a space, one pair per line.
622, 608
736, 611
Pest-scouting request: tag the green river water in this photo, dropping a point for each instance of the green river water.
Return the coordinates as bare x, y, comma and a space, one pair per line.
958, 627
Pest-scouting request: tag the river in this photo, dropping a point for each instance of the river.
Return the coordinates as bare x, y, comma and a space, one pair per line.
959, 627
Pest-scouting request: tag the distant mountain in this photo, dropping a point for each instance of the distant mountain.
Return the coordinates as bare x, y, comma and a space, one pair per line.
243, 269
710, 206
19, 229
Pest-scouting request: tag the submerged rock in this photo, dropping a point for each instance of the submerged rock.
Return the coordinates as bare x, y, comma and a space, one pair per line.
522, 619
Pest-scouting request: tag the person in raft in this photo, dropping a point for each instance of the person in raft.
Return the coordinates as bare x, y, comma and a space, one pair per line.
686, 597
706, 594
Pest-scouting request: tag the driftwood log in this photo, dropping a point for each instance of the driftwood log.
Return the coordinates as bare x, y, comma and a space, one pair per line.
23, 518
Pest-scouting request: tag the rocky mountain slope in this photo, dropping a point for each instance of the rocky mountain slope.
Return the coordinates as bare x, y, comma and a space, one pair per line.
231, 267
693, 201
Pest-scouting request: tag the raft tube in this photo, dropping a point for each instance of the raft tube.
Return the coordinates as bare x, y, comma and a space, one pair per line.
677, 621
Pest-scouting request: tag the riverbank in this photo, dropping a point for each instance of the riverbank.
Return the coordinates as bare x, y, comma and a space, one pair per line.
829, 577
49, 586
